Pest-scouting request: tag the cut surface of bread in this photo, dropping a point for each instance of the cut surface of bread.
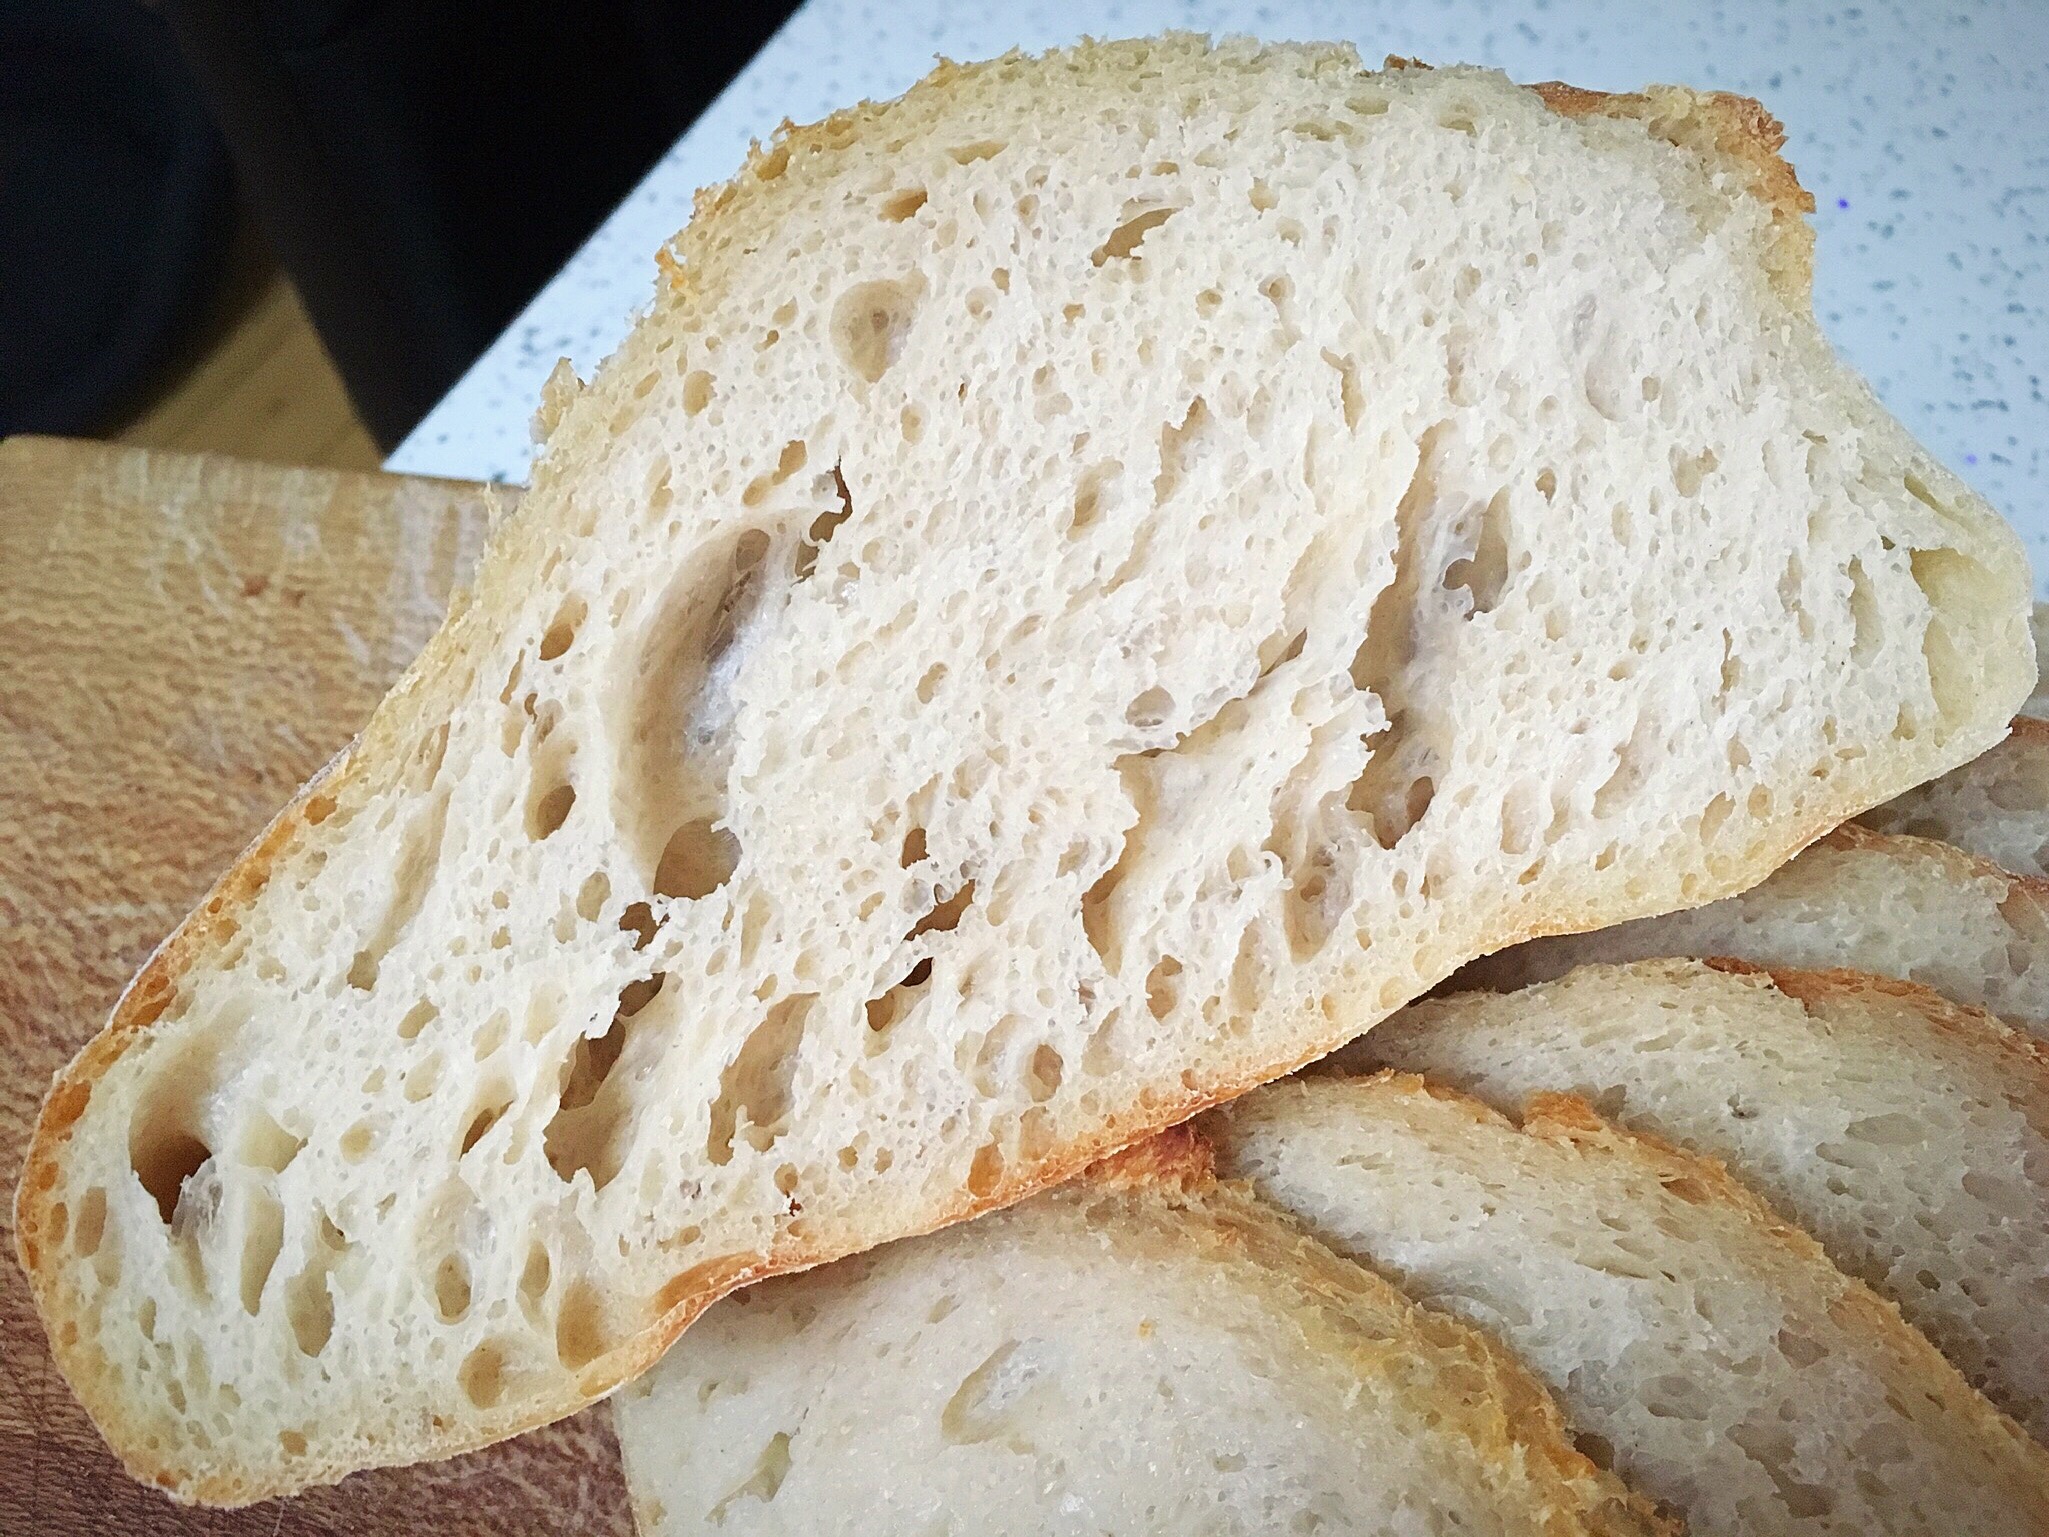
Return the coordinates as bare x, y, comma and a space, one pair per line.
1996, 806
1092, 583
1140, 1353
1906, 1133
1710, 1349
1896, 906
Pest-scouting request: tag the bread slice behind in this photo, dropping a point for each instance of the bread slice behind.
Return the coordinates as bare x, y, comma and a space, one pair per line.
1908, 1134
1895, 906
1140, 1352
1713, 1350
1996, 806
1092, 582
2038, 626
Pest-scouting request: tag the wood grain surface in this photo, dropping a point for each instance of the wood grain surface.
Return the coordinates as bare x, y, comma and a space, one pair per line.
184, 638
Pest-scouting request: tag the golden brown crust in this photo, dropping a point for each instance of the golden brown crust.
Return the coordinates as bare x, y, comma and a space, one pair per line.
1570, 100
1724, 129
1691, 1176
1721, 127
1477, 1111
1731, 965
2019, 1058
1178, 1158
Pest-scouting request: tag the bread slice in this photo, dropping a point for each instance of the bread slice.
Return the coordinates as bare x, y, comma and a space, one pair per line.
1909, 1135
1713, 1351
1139, 1352
1996, 806
1093, 582
1901, 907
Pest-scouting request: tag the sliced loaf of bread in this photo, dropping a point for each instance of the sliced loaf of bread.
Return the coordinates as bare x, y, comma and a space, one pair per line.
1906, 1133
2038, 626
1895, 906
1996, 806
1092, 583
1708, 1348
1139, 1352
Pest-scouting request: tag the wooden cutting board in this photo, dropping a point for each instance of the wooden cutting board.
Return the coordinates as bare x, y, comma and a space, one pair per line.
183, 639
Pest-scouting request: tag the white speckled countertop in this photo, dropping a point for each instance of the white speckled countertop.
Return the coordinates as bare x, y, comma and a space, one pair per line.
1921, 127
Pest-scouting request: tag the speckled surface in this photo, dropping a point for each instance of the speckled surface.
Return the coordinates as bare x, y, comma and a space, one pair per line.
1921, 127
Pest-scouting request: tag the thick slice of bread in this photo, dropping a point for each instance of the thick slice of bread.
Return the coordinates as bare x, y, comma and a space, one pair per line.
1713, 1351
1909, 908
1140, 1352
1094, 582
1909, 1135
1996, 806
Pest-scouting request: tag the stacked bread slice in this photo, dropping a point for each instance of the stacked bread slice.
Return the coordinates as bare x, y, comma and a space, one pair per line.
1145, 1350
1731, 1370
1095, 583
1895, 906
1996, 806
1638, 1242
1909, 1134
1086, 1361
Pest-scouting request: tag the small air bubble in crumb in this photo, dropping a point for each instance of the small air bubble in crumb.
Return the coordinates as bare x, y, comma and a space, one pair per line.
899, 206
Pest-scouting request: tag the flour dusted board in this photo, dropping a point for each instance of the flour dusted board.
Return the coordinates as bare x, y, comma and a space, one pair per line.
182, 640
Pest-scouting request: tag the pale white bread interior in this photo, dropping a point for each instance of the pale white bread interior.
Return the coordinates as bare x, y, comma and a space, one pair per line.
1143, 1352
1908, 1134
1896, 906
1996, 806
1092, 583
1708, 1349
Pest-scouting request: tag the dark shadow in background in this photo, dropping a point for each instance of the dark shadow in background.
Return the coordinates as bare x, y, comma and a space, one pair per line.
116, 210
421, 168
